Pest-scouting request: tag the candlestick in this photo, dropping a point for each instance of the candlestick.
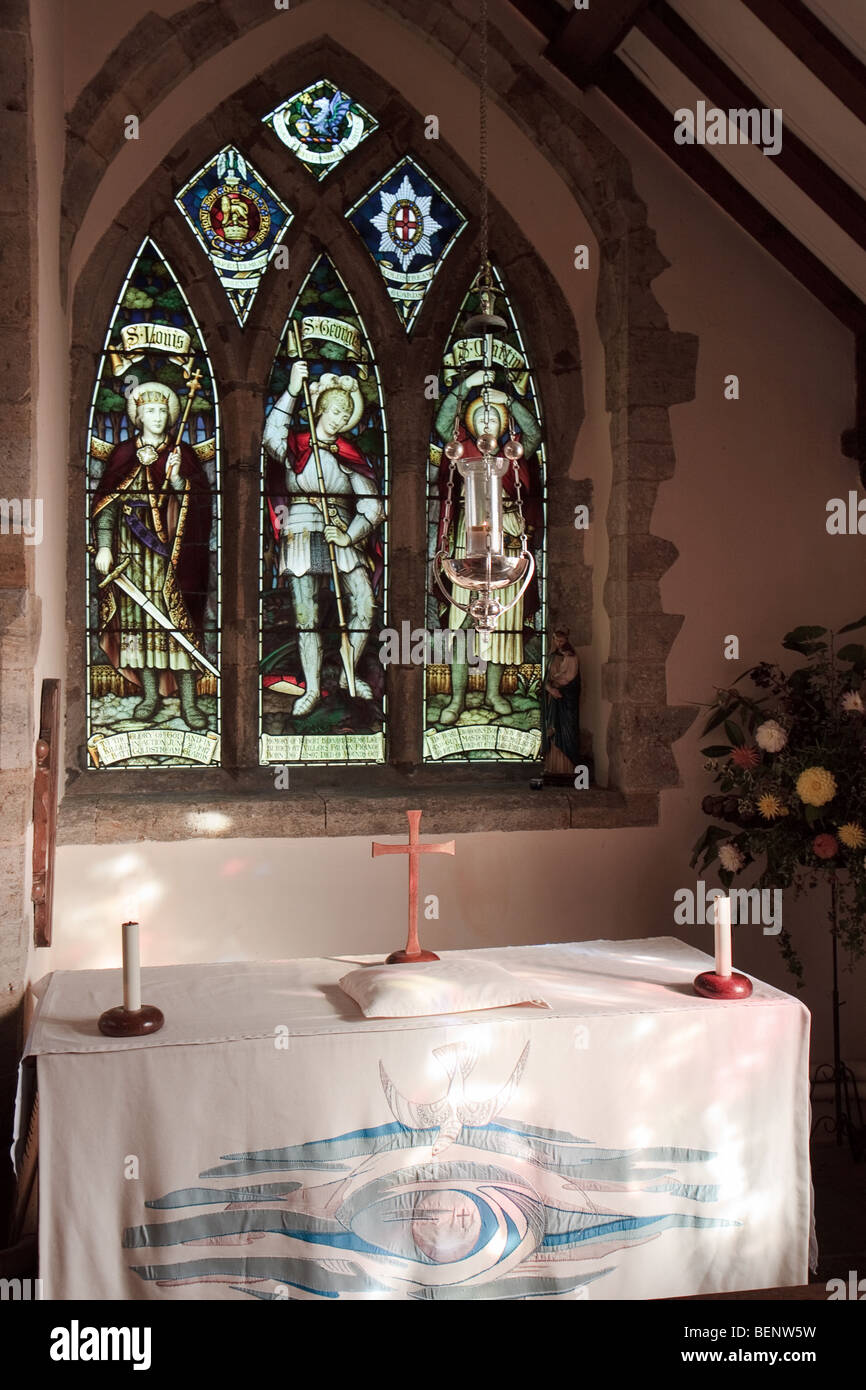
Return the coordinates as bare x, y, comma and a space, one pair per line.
724, 982
723, 937
131, 1019
131, 968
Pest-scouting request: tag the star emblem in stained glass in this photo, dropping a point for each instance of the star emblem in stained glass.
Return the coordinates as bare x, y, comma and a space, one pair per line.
321, 124
408, 225
237, 220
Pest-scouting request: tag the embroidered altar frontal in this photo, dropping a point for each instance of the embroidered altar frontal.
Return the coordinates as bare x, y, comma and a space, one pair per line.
633, 1141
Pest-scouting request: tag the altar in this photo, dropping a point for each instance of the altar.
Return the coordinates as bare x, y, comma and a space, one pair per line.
630, 1141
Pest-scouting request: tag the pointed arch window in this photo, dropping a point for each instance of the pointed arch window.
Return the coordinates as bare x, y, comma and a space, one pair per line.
324, 557
486, 707
272, 398
153, 533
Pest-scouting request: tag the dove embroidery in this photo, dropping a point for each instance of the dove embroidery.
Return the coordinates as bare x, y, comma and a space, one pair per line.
452, 1111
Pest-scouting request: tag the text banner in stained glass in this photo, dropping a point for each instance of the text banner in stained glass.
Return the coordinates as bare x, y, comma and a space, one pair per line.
324, 536
153, 488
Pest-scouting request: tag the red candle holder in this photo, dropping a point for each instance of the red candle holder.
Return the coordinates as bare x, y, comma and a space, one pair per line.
121, 1022
713, 986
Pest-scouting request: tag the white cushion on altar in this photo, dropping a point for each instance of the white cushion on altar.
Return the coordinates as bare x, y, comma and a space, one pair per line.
436, 987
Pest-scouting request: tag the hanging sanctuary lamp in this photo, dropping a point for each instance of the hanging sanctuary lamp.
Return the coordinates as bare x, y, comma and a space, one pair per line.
481, 567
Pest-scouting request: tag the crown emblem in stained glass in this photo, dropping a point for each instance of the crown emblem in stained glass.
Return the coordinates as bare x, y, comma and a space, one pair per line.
408, 225
321, 125
238, 221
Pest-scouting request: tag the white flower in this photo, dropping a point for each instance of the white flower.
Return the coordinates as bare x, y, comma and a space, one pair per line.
731, 859
852, 702
771, 736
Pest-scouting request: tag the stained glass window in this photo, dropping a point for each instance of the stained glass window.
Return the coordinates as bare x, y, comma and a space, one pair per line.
237, 220
486, 706
321, 125
408, 225
324, 538
153, 487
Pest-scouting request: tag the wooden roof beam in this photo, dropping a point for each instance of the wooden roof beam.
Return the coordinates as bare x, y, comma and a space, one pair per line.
707, 71
653, 118
817, 48
582, 43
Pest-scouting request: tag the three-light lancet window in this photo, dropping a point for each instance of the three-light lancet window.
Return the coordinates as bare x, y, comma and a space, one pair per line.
328, 611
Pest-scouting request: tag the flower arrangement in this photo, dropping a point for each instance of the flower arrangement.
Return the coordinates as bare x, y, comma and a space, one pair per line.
792, 781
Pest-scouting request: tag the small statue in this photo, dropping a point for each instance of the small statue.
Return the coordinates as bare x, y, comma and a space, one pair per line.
561, 708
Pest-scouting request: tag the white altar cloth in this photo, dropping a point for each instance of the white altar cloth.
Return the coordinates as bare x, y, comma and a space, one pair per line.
633, 1141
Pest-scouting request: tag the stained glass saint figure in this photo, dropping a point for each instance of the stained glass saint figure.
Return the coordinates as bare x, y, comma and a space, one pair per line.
153, 533
324, 544
477, 710
152, 520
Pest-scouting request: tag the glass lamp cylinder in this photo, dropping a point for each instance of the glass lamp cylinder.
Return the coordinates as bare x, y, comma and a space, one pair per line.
483, 502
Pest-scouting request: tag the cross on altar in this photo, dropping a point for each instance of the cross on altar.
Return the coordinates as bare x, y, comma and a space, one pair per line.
413, 951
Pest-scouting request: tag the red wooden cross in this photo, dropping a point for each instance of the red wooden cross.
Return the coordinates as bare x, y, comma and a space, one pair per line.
413, 951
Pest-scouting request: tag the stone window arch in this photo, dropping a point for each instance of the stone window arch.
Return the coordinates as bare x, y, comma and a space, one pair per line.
239, 798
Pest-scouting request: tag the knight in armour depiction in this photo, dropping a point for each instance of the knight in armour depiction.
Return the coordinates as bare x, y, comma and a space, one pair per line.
297, 506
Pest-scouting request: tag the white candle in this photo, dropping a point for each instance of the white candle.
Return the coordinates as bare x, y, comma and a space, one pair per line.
131, 968
723, 937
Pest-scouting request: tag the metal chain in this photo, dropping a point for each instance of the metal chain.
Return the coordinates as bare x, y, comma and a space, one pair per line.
485, 213
518, 487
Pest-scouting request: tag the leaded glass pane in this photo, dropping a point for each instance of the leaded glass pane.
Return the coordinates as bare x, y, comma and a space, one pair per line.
481, 707
321, 124
237, 220
408, 224
153, 489
324, 535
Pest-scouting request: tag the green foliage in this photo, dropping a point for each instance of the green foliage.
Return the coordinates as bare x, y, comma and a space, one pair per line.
109, 400
137, 299
767, 821
170, 299
528, 687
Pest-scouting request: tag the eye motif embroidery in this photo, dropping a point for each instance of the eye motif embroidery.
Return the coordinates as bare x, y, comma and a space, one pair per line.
451, 1200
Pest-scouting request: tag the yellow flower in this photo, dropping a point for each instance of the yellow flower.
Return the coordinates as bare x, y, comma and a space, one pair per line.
816, 786
770, 806
852, 835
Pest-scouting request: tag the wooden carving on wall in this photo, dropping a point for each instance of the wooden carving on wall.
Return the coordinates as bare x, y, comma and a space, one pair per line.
45, 811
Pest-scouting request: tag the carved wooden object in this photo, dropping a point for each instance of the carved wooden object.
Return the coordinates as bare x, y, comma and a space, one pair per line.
45, 811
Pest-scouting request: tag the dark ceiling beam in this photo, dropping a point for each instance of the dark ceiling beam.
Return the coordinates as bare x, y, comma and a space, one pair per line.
589, 38
581, 43
706, 70
817, 47
545, 15
653, 118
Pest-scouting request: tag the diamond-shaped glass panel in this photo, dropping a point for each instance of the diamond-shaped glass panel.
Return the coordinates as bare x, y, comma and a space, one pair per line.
321, 125
238, 221
408, 225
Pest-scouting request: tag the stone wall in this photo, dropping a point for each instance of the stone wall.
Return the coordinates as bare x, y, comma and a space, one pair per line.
19, 608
